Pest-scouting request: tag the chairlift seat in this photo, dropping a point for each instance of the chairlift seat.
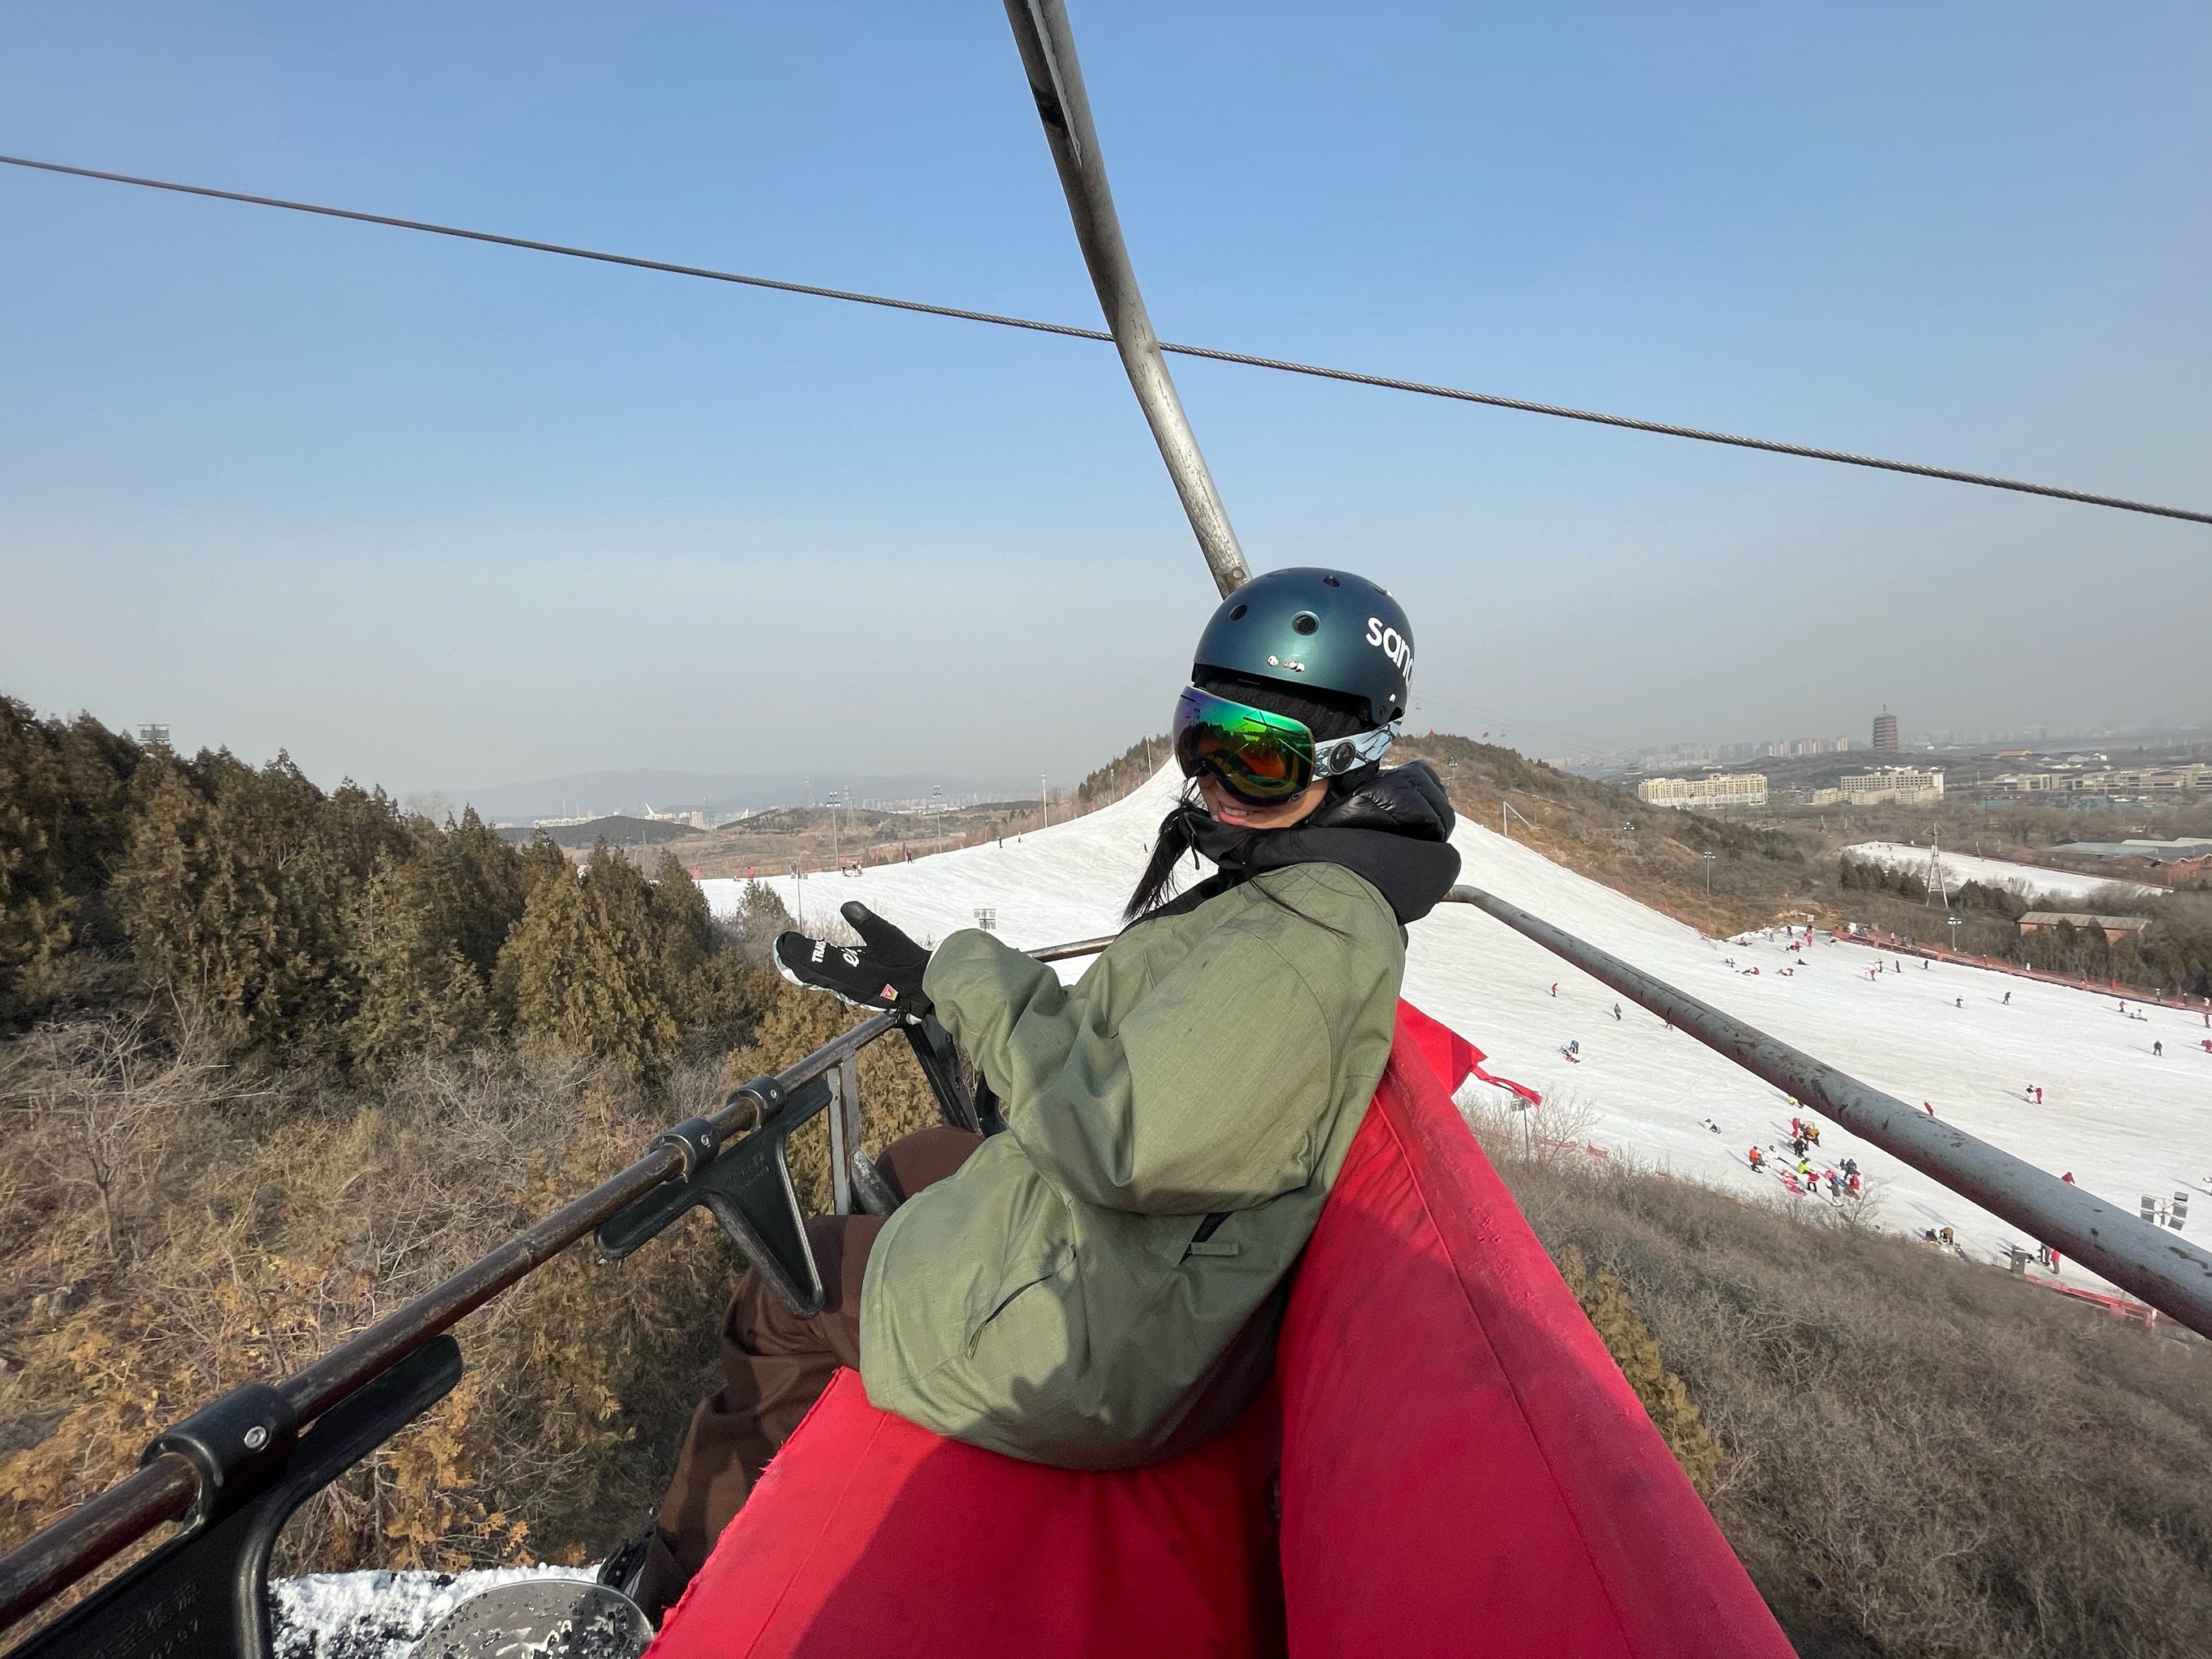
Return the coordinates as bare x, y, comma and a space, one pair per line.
1460, 1466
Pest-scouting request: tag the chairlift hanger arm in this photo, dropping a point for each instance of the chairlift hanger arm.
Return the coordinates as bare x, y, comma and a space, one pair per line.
1056, 78
999, 319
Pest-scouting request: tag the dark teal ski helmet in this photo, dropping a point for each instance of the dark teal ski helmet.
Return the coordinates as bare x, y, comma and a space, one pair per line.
1325, 631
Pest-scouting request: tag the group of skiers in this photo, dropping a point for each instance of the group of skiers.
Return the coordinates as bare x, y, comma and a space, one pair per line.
1841, 1180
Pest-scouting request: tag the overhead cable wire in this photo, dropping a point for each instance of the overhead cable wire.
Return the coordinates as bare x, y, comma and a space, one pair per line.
1282, 365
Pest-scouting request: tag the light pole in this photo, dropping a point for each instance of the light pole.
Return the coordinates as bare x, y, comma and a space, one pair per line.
1708, 858
1957, 922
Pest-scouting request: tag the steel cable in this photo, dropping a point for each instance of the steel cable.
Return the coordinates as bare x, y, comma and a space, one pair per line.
1281, 365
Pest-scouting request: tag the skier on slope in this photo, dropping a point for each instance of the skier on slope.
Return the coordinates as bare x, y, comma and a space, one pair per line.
1098, 1287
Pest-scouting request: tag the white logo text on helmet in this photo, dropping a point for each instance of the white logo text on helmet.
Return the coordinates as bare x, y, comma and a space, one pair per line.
1393, 644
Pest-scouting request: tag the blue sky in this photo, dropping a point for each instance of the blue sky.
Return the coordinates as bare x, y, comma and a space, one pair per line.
441, 515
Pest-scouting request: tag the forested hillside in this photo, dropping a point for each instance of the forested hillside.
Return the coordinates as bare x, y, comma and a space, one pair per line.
274, 1059
333, 928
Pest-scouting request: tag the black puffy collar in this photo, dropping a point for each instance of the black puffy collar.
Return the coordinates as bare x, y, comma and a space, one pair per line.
1390, 827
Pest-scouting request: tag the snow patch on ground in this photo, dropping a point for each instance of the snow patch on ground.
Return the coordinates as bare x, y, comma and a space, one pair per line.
2030, 880
378, 1615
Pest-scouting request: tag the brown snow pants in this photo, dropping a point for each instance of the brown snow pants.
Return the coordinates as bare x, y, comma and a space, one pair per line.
775, 1364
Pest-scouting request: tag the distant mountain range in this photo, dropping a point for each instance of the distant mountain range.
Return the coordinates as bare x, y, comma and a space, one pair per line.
602, 793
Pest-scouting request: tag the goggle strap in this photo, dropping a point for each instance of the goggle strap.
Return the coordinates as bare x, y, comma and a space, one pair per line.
1340, 755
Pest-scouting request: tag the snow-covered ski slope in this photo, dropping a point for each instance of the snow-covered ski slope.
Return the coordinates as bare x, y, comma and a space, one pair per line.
2125, 1121
2032, 881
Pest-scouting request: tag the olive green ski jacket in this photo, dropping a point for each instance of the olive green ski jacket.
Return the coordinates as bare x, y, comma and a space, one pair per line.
1096, 1287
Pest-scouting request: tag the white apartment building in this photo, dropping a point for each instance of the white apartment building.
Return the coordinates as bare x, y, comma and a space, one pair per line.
1906, 785
1714, 789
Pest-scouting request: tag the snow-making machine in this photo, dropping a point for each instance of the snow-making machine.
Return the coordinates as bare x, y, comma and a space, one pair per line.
1447, 1456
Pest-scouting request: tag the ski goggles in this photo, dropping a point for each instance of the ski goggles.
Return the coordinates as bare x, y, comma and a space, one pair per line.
1263, 759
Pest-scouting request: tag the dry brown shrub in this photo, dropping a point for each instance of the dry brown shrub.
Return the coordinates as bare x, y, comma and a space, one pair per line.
1605, 1298
1923, 1456
172, 1228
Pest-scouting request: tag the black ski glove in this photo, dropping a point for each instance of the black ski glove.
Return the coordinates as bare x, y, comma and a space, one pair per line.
883, 971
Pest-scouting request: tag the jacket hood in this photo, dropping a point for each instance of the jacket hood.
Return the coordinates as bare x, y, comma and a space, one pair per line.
1390, 826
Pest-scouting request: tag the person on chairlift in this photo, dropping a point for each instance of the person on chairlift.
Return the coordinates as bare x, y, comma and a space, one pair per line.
1099, 1285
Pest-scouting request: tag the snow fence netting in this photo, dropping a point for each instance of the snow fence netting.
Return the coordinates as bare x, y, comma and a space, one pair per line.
1462, 1469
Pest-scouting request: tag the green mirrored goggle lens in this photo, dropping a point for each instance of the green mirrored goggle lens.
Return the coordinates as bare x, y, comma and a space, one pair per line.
1263, 759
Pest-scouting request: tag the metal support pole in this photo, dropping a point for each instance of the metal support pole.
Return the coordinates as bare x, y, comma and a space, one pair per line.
1048, 49
845, 1133
2172, 1276
841, 1149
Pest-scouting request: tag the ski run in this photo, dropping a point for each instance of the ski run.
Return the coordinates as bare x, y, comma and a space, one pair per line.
2030, 881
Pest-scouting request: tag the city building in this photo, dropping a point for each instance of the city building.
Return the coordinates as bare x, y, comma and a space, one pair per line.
1789, 748
1715, 789
2083, 779
1905, 786
1885, 732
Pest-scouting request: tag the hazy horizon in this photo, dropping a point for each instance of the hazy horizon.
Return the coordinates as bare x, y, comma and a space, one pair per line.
423, 513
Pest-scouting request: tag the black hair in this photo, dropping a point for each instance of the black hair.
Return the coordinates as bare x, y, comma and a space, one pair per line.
1175, 839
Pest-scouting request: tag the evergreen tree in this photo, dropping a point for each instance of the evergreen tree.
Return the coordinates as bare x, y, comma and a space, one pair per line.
238, 890
760, 917
419, 991
63, 794
581, 967
34, 907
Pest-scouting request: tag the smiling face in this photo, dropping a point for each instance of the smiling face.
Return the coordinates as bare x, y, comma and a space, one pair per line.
1227, 809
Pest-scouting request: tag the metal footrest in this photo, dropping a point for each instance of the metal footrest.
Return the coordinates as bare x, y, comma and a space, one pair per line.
745, 1185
